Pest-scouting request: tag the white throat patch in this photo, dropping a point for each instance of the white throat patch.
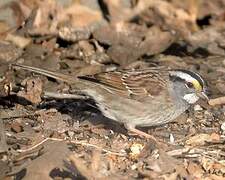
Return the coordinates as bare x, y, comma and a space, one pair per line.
191, 98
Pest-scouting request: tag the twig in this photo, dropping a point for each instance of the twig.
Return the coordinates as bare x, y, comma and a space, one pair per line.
97, 147
73, 142
3, 145
217, 101
38, 144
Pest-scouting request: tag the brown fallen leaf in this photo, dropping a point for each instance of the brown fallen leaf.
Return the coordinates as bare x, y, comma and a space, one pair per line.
211, 165
9, 52
33, 90
195, 170
19, 41
74, 34
16, 127
128, 41
201, 139
82, 16
52, 158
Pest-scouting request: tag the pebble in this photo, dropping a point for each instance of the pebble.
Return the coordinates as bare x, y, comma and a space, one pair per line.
172, 139
197, 107
133, 167
223, 126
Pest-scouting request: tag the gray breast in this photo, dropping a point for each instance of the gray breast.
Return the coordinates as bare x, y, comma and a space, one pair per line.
136, 113
163, 116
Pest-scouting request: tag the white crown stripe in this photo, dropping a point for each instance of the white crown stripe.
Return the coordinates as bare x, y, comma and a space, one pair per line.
184, 76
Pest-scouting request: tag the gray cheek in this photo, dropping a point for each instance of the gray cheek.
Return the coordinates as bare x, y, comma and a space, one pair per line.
179, 90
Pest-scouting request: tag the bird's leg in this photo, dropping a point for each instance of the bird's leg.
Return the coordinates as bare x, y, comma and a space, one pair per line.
139, 132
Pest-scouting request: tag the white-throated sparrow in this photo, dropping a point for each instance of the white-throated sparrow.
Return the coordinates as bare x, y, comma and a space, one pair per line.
137, 98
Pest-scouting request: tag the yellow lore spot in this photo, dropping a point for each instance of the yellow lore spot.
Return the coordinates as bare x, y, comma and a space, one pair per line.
197, 85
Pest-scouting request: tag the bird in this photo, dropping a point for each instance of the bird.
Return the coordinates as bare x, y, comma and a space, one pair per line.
137, 98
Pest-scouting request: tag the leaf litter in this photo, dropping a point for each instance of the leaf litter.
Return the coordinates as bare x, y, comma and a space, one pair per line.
43, 136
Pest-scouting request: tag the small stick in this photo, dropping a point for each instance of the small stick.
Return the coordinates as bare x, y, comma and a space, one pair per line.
74, 142
217, 101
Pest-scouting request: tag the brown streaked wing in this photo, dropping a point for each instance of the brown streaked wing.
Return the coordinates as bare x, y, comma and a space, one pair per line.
132, 84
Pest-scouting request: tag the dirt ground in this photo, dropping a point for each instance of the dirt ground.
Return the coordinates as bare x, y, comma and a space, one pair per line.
45, 137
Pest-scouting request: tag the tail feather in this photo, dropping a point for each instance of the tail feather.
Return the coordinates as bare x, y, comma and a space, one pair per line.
52, 74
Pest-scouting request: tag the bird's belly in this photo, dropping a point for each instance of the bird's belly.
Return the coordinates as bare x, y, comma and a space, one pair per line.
164, 116
141, 116
137, 113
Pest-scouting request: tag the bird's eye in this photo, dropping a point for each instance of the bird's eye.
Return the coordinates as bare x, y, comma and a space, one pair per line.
190, 85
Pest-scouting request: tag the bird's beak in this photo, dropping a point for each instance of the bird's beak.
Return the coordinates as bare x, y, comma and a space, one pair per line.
203, 95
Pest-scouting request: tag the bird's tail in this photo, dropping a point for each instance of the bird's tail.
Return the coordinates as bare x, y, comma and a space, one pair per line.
52, 74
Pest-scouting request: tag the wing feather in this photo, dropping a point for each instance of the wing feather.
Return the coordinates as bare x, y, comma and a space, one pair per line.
131, 84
